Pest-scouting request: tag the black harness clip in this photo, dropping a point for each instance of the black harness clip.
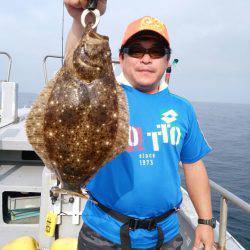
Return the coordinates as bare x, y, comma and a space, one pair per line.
133, 224
148, 224
151, 224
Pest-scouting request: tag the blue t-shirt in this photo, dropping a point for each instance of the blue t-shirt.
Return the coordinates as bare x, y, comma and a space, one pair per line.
143, 181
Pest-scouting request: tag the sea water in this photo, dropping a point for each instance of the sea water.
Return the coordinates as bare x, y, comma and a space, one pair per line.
227, 130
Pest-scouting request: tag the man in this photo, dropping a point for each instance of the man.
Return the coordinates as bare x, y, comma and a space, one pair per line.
138, 191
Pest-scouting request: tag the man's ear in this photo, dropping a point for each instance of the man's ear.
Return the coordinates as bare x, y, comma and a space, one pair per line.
121, 56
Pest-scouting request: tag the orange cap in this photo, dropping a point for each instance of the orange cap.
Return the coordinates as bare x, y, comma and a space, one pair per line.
145, 23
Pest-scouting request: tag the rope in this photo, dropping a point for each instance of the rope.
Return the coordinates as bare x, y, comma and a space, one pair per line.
62, 52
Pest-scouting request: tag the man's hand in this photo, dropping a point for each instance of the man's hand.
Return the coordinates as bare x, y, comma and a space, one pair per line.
76, 7
204, 235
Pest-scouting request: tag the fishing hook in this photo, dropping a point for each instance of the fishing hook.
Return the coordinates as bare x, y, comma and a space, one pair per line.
91, 8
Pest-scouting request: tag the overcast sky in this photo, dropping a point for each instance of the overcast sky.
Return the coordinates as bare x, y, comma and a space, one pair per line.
210, 38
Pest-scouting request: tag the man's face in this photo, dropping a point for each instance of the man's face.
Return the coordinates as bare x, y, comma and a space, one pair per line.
144, 73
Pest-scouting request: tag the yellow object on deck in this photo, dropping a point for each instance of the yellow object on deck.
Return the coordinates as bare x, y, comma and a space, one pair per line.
50, 224
22, 243
64, 244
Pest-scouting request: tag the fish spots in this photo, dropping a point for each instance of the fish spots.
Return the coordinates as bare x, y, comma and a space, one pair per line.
99, 115
79, 115
69, 118
50, 117
68, 169
108, 54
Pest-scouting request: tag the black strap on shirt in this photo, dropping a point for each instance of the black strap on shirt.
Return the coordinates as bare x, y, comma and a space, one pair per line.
131, 223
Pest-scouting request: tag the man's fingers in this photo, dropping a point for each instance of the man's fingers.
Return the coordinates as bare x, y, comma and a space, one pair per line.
83, 3
74, 3
208, 247
101, 5
196, 243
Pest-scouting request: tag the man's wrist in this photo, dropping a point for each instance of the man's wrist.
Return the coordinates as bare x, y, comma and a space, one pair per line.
77, 25
210, 222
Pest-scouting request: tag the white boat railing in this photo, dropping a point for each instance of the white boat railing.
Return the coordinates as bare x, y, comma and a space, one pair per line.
9, 97
225, 197
9, 67
45, 71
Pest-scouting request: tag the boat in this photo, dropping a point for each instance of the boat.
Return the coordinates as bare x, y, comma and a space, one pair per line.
26, 196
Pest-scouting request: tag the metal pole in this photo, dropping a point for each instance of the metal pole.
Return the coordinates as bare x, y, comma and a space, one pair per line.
231, 197
114, 62
223, 224
45, 65
10, 63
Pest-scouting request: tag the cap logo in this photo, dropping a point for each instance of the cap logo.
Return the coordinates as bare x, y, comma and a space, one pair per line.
151, 24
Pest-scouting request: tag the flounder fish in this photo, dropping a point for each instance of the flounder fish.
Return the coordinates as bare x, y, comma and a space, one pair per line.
79, 121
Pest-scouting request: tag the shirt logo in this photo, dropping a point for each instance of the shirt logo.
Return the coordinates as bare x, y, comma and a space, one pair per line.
165, 133
169, 116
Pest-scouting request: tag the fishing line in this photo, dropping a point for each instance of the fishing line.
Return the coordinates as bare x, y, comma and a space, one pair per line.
62, 52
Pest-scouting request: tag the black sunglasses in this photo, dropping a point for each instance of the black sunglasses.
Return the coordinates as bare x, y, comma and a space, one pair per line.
139, 51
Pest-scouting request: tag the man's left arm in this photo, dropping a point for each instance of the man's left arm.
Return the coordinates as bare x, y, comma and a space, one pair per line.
199, 191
